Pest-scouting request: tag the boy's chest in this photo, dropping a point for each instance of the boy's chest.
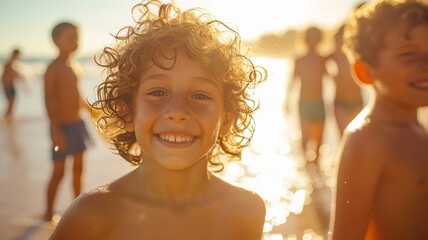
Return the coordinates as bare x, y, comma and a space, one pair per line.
164, 223
408, 162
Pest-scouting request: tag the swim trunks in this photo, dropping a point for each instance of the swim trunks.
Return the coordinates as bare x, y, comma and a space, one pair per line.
312, 110
10, 92
349, 106
77, 140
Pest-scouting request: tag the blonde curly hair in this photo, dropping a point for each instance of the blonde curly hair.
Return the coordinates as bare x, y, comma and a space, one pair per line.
162, 28
367, 26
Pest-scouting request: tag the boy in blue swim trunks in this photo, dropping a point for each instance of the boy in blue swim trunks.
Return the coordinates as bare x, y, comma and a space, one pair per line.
10, 74
63, 102
309, 70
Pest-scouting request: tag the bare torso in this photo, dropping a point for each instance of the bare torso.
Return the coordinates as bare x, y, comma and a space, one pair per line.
142, 220
346, 88
382, 186
400, 207
119, 211
310, 69
66, 92
9, 75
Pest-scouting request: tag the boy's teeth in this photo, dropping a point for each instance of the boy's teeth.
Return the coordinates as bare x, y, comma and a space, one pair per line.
178, 139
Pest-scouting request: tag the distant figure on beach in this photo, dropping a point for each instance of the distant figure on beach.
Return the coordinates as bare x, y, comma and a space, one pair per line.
309, 71
10, 75
348, 100
63, 103
174, 103
382, 181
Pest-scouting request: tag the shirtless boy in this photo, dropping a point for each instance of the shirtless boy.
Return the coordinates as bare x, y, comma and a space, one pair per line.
63, 103
10, 74
348, 100
174, 101
309, 70
382, 182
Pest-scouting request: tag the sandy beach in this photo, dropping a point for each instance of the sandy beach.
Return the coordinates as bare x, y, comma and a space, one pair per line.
297, 202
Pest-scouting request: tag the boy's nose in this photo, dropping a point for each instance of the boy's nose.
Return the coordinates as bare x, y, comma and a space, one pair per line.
177, 111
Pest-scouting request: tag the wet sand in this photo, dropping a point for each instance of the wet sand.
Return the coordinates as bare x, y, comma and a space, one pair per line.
297, 201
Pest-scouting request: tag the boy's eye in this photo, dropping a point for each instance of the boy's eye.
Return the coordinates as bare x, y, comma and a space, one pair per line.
200, 96
157, 93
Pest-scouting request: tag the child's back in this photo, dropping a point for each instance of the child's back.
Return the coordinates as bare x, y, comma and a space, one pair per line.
310, 68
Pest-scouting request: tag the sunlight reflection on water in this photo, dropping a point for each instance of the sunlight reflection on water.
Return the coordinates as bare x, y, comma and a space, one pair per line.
268, 166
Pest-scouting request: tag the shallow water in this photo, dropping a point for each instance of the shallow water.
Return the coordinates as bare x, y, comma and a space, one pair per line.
297, 201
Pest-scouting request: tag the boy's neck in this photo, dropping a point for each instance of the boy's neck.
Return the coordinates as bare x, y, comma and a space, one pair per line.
64, 56
391, 112
173, 186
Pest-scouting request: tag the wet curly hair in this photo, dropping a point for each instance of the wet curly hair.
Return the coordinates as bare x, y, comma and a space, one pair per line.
365, 30
164, 28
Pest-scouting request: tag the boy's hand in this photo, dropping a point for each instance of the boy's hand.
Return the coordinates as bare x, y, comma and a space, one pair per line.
59, 142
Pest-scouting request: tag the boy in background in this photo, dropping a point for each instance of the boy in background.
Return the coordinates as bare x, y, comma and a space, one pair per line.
382, 182
10, 75
309, 70
348, 100
63, 102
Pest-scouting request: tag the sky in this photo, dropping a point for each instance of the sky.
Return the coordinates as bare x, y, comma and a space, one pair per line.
27, 24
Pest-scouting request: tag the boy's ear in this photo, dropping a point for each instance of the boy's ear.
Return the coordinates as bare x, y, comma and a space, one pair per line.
227, 122
362, 71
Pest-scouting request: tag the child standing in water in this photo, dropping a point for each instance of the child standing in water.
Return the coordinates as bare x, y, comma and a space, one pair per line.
174, 100
63, 102
348, 100
10, 75
309, 71
382, 182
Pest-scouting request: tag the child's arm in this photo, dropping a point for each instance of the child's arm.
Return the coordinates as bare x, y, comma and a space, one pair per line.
362, 160
290, 86
51, 102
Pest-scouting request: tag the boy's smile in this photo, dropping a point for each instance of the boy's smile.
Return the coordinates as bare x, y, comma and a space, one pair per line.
178, 138
178, 113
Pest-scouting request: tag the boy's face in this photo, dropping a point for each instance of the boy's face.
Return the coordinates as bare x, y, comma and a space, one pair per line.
67, 41
178, 113
402, 72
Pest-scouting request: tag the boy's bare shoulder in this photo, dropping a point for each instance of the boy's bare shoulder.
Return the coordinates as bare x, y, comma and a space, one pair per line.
87, 217
53, 67
240, 201
365, 143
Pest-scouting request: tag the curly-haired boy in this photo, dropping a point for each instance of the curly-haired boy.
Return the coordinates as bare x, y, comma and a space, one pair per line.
175, 99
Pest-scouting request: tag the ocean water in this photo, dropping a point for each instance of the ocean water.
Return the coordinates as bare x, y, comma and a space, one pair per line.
273, 166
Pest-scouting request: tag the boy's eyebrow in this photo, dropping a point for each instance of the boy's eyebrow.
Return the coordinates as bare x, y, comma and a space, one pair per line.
164, 76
